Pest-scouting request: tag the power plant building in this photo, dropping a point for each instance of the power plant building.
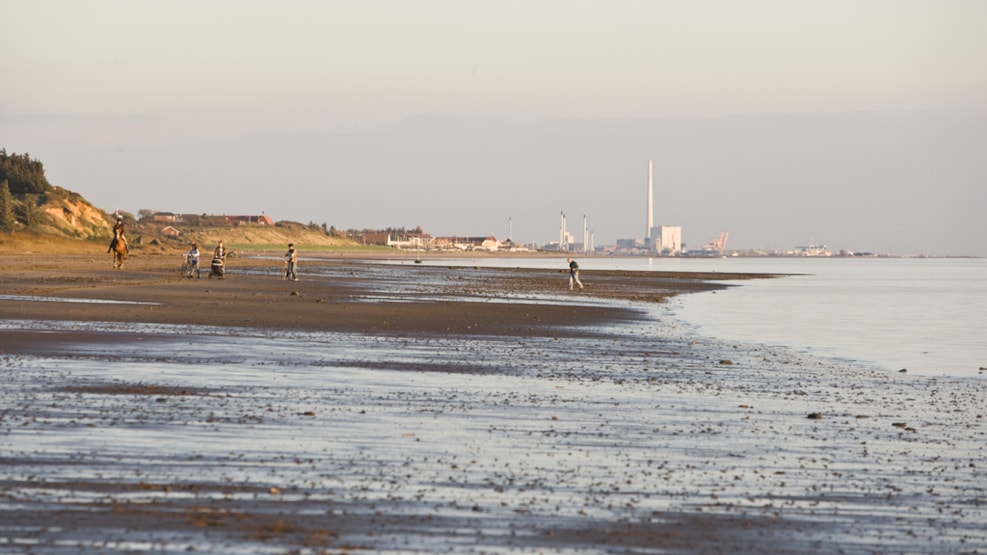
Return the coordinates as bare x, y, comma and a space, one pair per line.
662, 239
666, 239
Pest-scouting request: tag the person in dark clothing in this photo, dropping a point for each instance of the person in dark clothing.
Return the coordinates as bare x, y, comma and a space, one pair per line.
218, 266
291, 263
118, 236
574, 275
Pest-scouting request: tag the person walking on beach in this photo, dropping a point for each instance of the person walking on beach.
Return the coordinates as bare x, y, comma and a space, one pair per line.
291, 263
574, 275
218, 266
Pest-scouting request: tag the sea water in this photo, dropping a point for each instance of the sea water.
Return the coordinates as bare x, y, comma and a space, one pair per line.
923, 315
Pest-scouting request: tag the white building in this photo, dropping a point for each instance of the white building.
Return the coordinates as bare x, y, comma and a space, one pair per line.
666, 239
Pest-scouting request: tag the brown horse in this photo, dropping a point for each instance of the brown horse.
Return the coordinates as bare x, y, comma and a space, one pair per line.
119, 253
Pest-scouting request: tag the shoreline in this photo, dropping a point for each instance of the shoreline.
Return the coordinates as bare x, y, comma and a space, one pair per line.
352, 295
402, 409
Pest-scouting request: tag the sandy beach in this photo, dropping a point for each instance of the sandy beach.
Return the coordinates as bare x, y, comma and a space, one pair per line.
408, 409
253, 296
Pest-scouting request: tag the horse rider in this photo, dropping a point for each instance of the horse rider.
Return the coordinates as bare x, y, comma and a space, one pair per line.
118, 236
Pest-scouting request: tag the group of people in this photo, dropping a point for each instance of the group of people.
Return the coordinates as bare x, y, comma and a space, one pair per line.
219, 259
290, 258
220, 252
290, 268
217, 267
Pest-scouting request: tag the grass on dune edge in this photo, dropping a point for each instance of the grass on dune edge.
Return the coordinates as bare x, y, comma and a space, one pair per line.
258, 248
24, 243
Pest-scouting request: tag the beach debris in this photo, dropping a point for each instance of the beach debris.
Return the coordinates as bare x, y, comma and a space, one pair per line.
275, 490
295, 294
725, 361
903, 370
814, 416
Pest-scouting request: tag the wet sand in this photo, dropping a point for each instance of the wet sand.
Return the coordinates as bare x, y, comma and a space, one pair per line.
400, 409
403, 301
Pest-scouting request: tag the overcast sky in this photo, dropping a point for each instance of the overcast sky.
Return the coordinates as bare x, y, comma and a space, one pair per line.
858, 124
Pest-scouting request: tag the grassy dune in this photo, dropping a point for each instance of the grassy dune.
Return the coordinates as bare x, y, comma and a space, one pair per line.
148, 239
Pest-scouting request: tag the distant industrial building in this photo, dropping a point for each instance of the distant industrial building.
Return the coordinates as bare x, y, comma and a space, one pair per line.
666, 239
661, 239
715, 247
630, 244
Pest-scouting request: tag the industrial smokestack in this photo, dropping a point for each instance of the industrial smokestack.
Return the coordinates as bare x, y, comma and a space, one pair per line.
585, 235
562, 242
651, 215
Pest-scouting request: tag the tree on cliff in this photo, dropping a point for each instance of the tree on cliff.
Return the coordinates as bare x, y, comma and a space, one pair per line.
7, 220
30, 211
24, 175
28, 202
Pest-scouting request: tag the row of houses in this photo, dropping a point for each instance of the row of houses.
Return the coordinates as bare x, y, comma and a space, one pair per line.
418, 239
400, 239
170, 219
210, 220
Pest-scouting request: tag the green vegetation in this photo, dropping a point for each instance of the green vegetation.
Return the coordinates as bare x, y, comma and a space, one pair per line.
24, 175
31, 207
22, 186
308, 248
30, 204
7, 220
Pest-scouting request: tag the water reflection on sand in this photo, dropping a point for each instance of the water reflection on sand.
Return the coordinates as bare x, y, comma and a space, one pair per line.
242, 441
42, 299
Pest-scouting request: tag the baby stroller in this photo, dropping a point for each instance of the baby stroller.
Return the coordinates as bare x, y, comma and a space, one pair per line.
190, 265
217, 268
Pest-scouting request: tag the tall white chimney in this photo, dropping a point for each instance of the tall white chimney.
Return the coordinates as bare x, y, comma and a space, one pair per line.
651, 215
562, 242
585, 235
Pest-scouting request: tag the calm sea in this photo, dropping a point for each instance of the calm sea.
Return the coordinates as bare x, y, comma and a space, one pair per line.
926, 315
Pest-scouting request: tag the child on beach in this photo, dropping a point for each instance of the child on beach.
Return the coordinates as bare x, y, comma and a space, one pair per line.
192, 261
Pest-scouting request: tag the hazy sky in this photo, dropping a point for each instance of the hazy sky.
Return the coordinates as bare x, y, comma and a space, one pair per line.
858, 124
